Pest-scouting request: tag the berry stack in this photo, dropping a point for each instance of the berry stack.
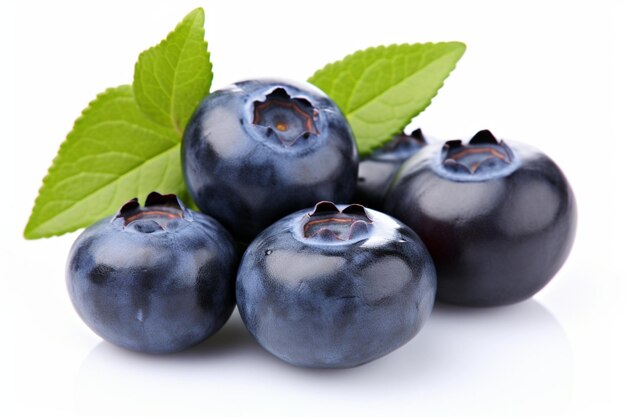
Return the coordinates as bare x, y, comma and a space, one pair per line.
323, 282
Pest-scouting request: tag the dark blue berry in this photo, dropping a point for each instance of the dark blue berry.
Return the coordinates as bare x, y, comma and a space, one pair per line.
377, 170
156, 279
259, 150
498, 218
335, 287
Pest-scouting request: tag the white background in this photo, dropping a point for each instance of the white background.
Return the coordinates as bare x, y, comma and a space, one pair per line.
547, 73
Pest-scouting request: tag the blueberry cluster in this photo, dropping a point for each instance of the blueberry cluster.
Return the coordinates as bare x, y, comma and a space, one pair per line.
320, 284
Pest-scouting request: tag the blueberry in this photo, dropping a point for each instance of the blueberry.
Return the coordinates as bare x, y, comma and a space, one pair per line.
156, 279
377, 170
335, 287
498, 218
259, 150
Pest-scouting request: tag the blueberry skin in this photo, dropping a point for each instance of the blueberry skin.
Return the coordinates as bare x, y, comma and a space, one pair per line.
241, 174
498, 236
377, 170
335, 304
153, 290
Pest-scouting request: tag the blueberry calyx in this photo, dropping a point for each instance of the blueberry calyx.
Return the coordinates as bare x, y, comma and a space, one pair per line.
483, 154
285, 117
326, 223
409, 142
400, 148
161, 213
418, 136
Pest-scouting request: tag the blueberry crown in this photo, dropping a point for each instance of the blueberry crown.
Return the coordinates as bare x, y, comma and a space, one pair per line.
415, 139
285, 118
161, 212
483, 153
327, 223
401, 146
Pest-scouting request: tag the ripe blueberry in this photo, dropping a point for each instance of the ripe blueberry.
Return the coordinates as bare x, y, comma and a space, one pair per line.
498, 218
259, 150
377, 170
156, 279
335, 287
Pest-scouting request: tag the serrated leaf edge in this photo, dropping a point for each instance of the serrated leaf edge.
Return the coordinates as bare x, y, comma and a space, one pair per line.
195, 14
30, 229
406, 121
368, 149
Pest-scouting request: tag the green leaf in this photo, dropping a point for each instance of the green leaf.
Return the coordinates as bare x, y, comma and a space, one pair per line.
127, 142
174, 76
113, 153
381, 89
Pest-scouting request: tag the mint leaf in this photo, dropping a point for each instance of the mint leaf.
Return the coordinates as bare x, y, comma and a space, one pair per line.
113, 153
127, 142
381, 89
174, 76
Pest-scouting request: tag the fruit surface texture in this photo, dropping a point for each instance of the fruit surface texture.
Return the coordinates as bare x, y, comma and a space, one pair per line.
335, 286
499, 218
258, 150
154, 279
